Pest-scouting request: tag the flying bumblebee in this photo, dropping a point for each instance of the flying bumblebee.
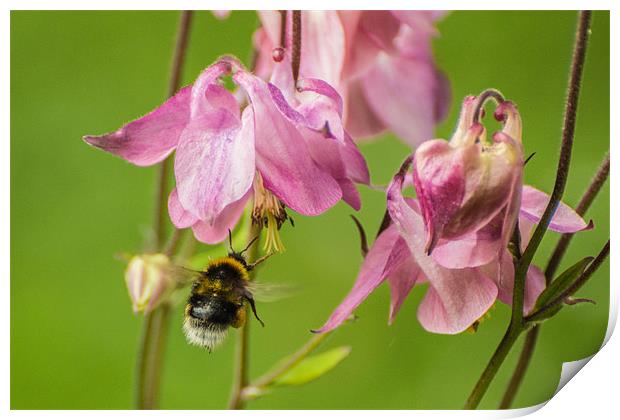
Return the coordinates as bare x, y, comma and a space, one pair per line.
219, 299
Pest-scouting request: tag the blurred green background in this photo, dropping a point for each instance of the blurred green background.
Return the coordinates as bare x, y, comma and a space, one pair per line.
73, 334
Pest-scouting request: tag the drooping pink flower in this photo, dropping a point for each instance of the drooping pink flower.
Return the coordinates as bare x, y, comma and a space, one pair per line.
380, 62
456, 297
455, 235
226, 153
468, 187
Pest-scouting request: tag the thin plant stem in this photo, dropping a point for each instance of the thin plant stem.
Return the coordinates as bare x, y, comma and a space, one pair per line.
268, 378
554, 261
283, 14
296, 52
151, 348
517, 324
159, 335
568, 133
584, 204
142, 360
240, 380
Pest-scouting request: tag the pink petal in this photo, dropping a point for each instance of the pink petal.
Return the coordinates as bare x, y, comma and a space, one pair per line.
180, 217
401, 282
263, 66
149, 139
382, 258
212, 233
270, 20
440, 181
565, 220
367, 33
402, 93
322, 60
472, 250
360, 118
534, 283
214, 163
283, 157
456, 298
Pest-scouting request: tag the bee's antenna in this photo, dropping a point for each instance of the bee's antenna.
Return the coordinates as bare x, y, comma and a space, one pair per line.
250, 299
249, 244
258, 261
230, 242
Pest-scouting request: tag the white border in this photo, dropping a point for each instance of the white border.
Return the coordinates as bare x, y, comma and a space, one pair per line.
593, 393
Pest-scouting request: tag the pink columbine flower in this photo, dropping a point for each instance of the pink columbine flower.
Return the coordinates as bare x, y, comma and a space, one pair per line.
470, 196
226, 153
468, 188
381, 62
457, 297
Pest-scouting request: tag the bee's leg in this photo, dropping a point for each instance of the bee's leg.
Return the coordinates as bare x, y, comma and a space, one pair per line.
258, 261
249, 244
230, 247
250, 299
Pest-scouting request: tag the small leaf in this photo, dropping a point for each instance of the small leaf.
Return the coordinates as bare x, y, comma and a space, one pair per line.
313, 367
561, 283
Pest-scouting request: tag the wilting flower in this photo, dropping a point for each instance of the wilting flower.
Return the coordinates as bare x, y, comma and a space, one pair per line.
470, 197
226, 153
380, 62
148, 280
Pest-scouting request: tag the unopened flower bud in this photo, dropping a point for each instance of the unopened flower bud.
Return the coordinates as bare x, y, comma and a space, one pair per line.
148, 281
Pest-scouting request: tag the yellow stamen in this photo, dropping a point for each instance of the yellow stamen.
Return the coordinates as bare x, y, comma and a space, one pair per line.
268, 212
474, 327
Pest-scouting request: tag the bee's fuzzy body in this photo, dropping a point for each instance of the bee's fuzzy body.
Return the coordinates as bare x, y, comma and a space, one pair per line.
217, 301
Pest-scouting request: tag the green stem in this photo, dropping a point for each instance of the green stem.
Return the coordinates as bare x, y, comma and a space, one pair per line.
240, 380
517, 324
492, 367
554, 261
152, 344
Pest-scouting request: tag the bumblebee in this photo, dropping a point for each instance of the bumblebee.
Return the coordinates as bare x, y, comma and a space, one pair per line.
219, 299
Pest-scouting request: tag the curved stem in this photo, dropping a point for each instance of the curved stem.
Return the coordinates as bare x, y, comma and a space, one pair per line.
584, 204
568, 133
517, 324
485, 96
240, 381
150, 352
556, 257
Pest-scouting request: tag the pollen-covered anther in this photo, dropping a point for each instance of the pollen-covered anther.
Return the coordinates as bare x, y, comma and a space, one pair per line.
268, 212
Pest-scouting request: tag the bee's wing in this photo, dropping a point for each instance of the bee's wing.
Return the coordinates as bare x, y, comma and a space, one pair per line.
271, 292
182, 275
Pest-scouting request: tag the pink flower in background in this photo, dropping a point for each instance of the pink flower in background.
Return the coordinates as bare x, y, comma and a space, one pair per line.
455, 235
380, 62
226, 153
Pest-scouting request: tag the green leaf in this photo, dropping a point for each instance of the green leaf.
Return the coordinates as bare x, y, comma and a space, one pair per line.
561, 283
313, 367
